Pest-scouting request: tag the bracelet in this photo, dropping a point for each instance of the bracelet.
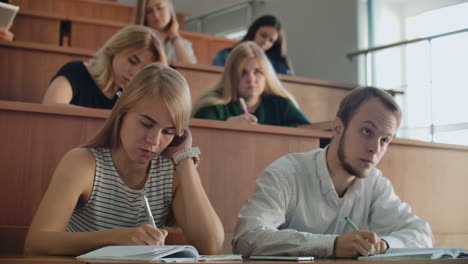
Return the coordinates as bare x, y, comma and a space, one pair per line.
174, 38
185, 154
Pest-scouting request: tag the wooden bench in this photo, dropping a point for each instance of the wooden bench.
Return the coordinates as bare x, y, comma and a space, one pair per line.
318, 99
102, 10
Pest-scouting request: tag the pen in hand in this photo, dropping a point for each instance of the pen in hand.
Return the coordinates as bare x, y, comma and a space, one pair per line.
148, 211
243, 105
355, 228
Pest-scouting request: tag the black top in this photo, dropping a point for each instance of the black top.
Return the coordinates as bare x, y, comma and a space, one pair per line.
85, 90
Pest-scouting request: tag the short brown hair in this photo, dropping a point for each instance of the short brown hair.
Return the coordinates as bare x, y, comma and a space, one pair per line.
351, 103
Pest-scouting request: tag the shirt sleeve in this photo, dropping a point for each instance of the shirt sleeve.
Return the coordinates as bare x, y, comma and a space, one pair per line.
189, 49
259, 228
293, 116
393, 220
220, 58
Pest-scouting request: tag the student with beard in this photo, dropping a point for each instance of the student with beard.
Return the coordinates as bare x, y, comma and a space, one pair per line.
301, 200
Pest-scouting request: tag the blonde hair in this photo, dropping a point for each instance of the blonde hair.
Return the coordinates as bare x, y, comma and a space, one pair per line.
154, 80
226, 89
129, 39
140, 11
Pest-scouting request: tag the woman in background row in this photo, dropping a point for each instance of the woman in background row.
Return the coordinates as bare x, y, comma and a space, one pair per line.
267, 32
160, 15
248, 74
98, 82
144, 149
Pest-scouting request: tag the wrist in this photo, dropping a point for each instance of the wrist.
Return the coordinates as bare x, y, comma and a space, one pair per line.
174, 38
188, 153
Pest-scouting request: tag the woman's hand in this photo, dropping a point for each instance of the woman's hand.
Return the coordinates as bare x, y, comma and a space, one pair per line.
6, 35
173, 27
178, 143
246, 118
141, 235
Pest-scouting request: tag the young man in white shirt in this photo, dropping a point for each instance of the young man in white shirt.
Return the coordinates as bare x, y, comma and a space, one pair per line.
301, 200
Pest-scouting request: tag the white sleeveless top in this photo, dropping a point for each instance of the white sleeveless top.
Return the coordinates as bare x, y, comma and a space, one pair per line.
113, 204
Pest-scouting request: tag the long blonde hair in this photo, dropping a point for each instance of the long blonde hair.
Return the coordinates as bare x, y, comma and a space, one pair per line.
154, 80
129, 39
226, 89
140, 11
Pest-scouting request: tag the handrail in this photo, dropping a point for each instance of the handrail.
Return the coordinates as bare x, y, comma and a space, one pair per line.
223, 8
356, 53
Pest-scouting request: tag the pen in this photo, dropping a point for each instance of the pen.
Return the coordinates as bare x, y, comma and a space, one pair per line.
148, 211
243, 105
355, 228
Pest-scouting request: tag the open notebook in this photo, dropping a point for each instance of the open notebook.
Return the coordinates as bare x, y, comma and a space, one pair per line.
183, 253
419, 253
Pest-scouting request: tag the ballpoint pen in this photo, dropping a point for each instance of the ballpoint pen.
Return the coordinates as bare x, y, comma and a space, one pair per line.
355, 228
148, 211
243, 105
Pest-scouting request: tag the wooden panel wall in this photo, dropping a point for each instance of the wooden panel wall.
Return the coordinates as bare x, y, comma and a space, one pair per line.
112, 11
28, 68
432, 178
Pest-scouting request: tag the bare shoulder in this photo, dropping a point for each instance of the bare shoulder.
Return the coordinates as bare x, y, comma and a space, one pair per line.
59, 91
77, 167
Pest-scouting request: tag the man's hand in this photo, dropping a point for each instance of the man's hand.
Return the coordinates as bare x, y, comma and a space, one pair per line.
358, 243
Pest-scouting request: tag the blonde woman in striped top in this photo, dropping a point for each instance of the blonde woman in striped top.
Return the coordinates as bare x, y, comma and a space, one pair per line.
94, 198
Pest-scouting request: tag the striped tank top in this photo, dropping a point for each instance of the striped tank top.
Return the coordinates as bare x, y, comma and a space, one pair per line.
113, 204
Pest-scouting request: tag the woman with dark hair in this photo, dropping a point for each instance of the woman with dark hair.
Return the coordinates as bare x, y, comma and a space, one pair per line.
269, 35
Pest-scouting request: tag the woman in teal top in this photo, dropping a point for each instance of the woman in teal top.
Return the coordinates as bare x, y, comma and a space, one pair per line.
248, 74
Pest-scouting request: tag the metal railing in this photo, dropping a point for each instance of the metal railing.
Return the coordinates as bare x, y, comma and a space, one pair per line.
249, 4
368, 74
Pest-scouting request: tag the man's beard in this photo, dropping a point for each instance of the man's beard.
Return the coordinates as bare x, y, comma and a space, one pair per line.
344, 164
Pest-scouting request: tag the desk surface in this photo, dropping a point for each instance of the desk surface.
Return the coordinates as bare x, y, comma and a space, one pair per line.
70, 260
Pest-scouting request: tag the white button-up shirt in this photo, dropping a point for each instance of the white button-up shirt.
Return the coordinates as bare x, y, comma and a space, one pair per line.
295, 210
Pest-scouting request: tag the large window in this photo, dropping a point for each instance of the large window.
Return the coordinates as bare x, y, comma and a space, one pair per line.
433, 74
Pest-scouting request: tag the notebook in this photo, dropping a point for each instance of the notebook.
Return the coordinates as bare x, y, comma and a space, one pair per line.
419, 253
7, 15
284, 258
184, 253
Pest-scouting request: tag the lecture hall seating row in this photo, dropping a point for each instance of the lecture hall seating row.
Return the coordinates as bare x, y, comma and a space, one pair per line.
318, 99
430, 176
102, 10
77, 31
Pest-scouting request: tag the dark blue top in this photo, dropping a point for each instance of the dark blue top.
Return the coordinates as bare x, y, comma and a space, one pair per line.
278, 65
85, 90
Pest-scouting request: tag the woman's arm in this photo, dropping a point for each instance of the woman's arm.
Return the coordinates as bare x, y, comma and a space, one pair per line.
58, 92
183, 55
192, 209
72, 184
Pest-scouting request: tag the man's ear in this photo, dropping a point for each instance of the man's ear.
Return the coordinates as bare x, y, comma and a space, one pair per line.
338, 127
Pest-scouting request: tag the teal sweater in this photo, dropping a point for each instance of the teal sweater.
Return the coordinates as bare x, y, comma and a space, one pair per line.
273, 110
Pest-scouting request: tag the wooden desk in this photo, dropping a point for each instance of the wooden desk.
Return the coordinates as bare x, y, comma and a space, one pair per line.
85, 33
102, 10
318, 99
232, 157
71, 260
27, 68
